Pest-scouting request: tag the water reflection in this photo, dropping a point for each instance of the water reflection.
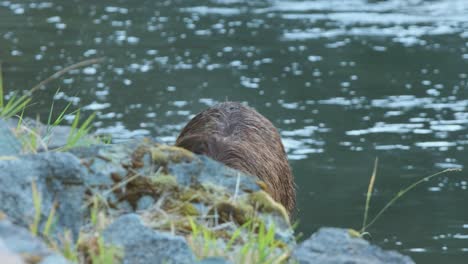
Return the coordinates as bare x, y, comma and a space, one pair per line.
344, 81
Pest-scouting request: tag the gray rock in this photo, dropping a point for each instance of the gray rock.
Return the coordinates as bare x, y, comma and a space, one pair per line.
9, 144
145, 202
104, 160
336, 246
214, 260
7, 256
52, 137
54, 259
143, 245
58, 176
206, 170
19, 241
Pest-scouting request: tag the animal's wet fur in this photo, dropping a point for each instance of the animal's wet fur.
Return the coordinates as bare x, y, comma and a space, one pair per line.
243, 139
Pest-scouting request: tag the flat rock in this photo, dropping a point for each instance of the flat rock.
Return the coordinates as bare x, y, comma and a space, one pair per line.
59, 177
16, 241
336, 246
144, 245
205, 170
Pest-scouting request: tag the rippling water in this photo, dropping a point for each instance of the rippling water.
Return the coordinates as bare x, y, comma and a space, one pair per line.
344, 81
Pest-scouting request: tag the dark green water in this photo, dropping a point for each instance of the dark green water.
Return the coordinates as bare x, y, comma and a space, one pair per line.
344, 81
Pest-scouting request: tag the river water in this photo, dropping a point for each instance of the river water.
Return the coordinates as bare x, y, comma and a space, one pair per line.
345, 81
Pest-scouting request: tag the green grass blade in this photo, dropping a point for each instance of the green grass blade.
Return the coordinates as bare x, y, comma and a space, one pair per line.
68, 249
194, 227
61, 116
20, 120
19, 106
50, 220
9, 103
49, 118
37, 207
57, 121
14, 106
404, 191
79, 132
369, 194
86, 126
94, 212
75, 120
233, 238
270, 235
207, 239
73, 130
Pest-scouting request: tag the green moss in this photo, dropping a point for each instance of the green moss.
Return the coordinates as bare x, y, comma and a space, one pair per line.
189, 209
228, 212
193, 195
178, 208
265, 203
164, 182
163, 154
354, 233
263, 185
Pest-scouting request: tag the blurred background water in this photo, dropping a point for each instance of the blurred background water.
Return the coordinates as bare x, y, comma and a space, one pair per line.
344, 81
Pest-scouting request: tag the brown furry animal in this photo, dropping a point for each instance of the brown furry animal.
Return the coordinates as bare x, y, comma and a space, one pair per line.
243, 139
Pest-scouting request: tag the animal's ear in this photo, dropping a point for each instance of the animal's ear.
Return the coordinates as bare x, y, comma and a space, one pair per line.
197, 144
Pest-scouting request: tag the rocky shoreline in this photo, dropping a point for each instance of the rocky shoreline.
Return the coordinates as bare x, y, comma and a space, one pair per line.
143, 202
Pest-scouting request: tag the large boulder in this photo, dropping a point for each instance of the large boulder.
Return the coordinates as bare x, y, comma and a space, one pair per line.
338, 246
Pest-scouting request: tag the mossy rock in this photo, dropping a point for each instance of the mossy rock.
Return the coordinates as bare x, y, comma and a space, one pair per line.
265, 203
229, 212
164, 183
163, 155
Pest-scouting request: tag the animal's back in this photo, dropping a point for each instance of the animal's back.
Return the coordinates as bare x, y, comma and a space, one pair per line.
243, 139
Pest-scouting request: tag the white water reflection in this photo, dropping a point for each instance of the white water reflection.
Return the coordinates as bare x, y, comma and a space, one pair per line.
435, 144
385, 128
204, 10
401, 101
405, 22
120, 133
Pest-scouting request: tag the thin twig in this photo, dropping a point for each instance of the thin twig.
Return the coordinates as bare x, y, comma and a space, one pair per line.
64, 71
